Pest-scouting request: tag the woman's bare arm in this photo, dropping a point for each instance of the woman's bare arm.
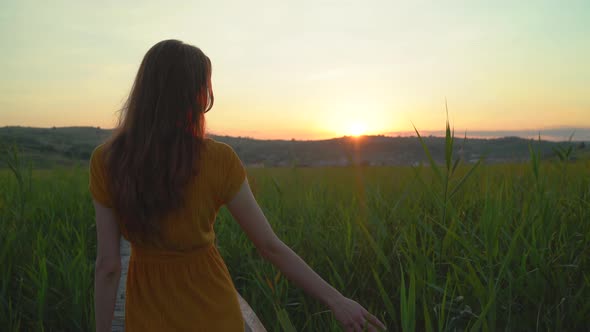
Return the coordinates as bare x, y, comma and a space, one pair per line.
248, 214
107, 268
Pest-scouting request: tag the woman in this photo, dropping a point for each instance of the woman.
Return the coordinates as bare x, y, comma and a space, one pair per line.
160, 183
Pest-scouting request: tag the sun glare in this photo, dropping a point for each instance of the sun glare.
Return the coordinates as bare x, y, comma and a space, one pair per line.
356, 129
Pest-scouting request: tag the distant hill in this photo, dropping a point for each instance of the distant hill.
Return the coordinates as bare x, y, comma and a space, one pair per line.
48, 147
557, 134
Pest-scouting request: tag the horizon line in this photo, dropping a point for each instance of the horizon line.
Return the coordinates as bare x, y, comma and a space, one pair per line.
476, 134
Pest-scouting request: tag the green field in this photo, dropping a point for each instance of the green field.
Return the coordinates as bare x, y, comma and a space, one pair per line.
506, 249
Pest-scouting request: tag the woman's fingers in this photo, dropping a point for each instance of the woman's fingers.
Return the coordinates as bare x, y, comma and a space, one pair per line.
370, 327
373, 320
356, 324
354, 317
353, 327
358, 327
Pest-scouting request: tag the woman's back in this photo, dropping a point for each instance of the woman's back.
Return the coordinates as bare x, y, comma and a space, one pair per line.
219, 178
178, 279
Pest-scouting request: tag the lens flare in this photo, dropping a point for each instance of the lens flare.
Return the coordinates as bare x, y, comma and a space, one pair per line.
356, 129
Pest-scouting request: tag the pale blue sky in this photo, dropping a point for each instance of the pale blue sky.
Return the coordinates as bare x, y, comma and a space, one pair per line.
308, 69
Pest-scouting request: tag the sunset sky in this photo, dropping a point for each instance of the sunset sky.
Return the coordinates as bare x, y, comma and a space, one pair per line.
308, 69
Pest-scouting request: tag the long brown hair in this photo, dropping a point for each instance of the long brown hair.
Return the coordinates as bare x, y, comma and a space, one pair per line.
157, 144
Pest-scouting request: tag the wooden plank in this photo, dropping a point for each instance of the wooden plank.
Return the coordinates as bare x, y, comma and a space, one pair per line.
251, 321
119, 315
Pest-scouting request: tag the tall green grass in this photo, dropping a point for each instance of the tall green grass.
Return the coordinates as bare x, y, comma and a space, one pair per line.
437, 247
47, 244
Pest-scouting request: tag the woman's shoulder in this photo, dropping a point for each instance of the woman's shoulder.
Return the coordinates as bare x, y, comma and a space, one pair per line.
97, 152
217, 147
220, 154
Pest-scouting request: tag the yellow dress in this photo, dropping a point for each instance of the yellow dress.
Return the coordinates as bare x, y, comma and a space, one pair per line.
182, 283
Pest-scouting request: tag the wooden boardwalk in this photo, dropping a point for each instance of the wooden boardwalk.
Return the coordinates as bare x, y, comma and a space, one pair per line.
252, 323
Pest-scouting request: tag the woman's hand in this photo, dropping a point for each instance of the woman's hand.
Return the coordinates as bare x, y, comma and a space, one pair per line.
354, 317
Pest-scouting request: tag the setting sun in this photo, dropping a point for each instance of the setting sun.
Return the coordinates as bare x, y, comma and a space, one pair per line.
356, 129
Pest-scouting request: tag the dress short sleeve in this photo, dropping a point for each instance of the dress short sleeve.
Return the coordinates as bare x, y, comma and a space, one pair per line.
234, 176
98, 178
